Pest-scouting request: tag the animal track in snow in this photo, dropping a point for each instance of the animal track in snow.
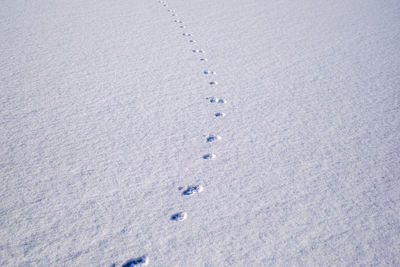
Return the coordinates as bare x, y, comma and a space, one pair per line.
203, 59
187, 34
178, 21
192, 41
192, 189
141, 261
180, 216
212, 138
209, 72
216, 100
213, 83
182, 27
209, 156
198, 51
220, 114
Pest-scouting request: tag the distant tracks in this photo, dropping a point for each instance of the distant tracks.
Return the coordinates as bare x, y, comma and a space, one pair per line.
211, 138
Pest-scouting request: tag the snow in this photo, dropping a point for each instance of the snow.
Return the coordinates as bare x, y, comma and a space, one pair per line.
106, 112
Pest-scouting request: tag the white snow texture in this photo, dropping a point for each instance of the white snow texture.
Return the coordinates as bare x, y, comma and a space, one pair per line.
114, 114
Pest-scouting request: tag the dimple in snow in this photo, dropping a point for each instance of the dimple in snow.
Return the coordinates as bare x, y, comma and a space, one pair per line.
141, 261
216, 100
209, 156
212, 138
192, 189
180, 216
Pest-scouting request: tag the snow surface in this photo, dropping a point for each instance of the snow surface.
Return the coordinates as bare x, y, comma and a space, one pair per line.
105, 115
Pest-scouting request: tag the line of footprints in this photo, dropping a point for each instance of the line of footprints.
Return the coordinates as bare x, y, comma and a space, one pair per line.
191, 189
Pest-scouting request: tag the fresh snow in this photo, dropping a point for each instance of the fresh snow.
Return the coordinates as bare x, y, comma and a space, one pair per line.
109, 110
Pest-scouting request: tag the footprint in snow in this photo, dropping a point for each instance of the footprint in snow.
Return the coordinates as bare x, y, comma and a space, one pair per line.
192, 41
216, 100
186, 34
141, 261
182, 27
220, 114
209, 156
178, 21
206, 72
198, 51
203, 59
180, 216
192, 189
212, 138
213, 83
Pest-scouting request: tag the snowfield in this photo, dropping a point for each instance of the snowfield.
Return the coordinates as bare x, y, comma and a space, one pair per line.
200, 133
